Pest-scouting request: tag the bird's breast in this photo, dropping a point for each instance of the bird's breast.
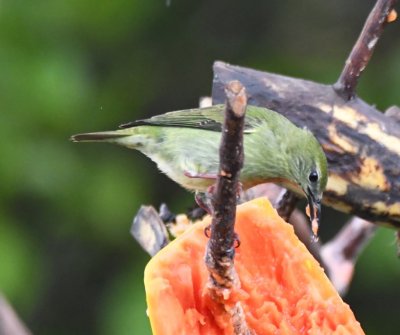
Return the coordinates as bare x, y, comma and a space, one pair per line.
178, 169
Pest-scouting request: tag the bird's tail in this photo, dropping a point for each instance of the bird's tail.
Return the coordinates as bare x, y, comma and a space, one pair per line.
133, 138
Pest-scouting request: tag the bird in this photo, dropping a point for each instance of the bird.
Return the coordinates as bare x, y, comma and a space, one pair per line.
185, 146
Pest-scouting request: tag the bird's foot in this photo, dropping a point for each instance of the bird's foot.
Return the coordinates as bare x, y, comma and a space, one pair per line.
207, 231
236, 240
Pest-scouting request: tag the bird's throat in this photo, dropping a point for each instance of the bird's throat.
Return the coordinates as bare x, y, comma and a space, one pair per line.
290, 185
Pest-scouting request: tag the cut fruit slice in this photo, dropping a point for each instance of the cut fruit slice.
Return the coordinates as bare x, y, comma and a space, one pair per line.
283, 289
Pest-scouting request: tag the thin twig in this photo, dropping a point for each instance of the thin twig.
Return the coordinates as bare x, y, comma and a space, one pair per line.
221, 245
363, 48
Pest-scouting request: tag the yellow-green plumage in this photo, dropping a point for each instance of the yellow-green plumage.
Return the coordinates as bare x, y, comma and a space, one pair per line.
185, 146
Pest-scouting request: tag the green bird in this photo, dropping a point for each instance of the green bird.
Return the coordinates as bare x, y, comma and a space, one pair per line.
185, 146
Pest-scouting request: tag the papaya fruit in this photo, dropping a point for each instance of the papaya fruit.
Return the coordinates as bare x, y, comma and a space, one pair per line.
283, 290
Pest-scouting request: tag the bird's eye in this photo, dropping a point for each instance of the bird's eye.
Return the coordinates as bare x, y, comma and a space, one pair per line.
313, 177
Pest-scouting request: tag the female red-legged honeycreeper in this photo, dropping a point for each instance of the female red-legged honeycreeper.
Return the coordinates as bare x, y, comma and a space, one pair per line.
185, 146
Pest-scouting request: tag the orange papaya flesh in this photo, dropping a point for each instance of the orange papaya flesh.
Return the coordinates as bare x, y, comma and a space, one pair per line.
283, 290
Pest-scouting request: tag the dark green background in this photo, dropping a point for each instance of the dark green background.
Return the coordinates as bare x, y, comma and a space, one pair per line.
67, 262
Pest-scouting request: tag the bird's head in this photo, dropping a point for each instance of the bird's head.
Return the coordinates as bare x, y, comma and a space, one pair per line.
310, 172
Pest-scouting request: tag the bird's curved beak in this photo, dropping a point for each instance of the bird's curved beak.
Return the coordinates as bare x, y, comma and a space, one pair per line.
314, 204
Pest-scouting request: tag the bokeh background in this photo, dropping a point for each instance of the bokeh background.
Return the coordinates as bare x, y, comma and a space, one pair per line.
67, 261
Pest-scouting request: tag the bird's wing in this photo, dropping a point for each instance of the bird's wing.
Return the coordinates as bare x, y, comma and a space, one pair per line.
210, 118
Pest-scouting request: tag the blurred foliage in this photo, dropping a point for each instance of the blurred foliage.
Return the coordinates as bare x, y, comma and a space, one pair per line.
67, 261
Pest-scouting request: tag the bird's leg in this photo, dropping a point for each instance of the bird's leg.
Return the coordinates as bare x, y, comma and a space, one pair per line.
191, 174
204, 201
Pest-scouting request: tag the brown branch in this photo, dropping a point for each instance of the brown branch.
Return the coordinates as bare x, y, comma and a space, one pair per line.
362, 144
221, 245
363, 48
220, 249
341, 253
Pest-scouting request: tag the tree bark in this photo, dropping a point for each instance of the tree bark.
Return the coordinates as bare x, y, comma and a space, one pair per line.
362, 144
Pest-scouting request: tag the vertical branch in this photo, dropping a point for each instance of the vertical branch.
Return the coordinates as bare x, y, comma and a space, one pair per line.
220, 249
359, 57
221, 246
